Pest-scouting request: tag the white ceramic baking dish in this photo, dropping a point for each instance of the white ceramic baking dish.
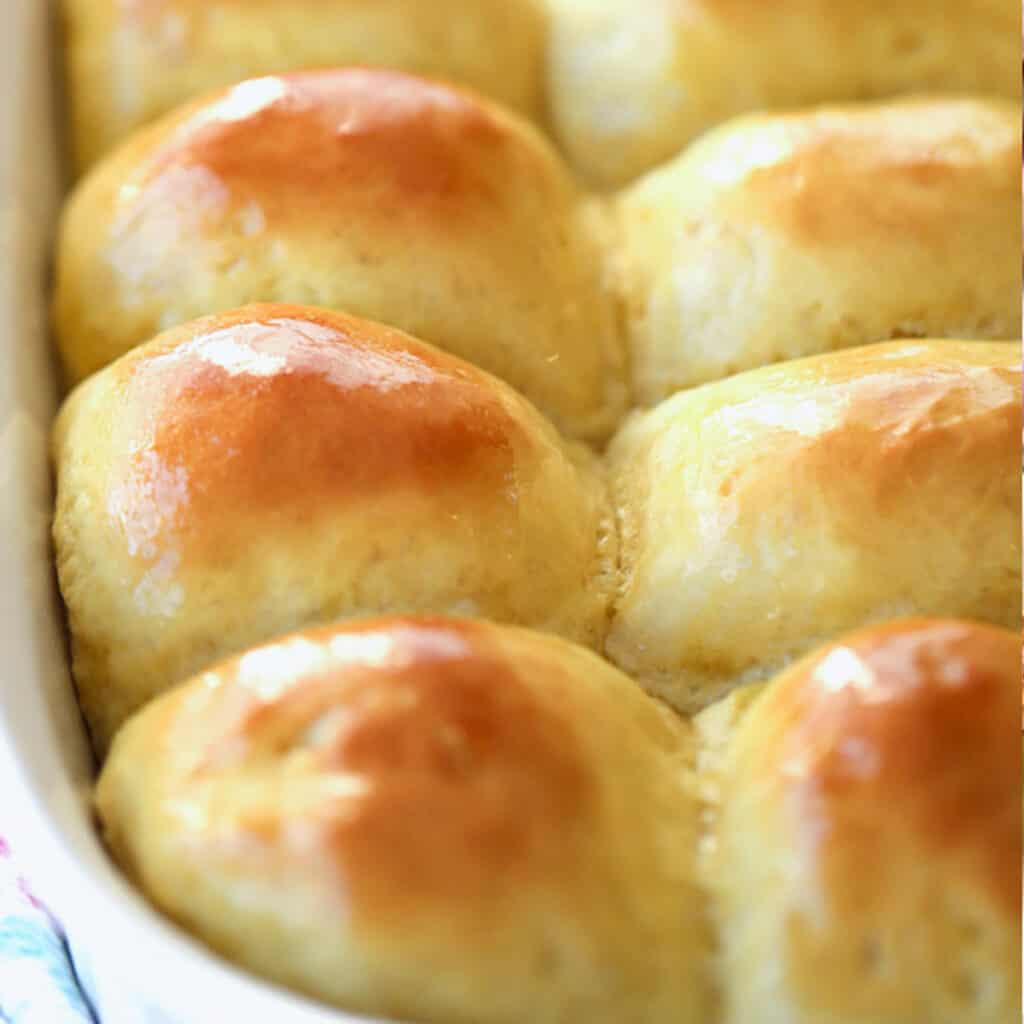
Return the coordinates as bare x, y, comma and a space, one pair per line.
139, 968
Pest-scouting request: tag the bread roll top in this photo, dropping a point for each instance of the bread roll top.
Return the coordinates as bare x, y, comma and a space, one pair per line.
773, 511
276, 466
369, 191
778, 236
427, 819
869, 833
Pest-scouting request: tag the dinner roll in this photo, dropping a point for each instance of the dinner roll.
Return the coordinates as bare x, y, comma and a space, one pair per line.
275, 466
764, 514
867, 847
372, 192
432, 820
632, 81
128, 61
780, 236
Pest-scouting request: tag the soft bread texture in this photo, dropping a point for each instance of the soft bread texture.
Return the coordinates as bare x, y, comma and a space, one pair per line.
779, 236
372, 192
764, 514
633, 81
449, 821
276, 467
441, 821
130, 61
866, 858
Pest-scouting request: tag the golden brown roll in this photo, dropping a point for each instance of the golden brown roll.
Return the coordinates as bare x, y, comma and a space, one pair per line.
779, 236
767, 513
372, 192
632, 81
273, 467
442, 821
129, 61
867, 854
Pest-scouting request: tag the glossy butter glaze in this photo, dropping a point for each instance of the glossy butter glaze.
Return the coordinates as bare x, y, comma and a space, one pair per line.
249, 409
919, 717
417, 144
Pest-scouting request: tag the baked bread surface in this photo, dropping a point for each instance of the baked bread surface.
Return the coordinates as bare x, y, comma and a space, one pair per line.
274, 467
372, 192
447, 820
778, 236
631, 82
432, 820
867, 838
773, 511
131, 61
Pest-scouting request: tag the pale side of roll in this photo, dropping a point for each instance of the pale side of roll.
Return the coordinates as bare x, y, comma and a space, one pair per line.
130, 61
631, 82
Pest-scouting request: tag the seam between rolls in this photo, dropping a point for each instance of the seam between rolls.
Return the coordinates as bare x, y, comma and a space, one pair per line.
707, 795
616, 572
597, 217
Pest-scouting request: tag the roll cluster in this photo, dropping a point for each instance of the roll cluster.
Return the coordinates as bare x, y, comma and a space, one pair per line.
539, 503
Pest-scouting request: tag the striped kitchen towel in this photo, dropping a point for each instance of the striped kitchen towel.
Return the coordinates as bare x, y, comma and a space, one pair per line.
38, 984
